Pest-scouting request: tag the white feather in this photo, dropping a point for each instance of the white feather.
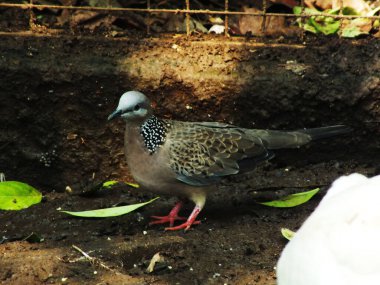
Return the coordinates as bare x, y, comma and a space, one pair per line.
339, 244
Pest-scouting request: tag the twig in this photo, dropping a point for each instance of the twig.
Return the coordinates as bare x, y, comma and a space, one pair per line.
94, 260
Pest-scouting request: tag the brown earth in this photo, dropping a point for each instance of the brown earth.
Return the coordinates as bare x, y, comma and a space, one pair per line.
56, 93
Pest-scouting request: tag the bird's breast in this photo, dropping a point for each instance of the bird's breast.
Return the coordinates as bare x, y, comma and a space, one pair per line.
150, 170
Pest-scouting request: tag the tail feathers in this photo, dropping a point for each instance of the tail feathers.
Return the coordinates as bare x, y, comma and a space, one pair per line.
292, 139
326, 132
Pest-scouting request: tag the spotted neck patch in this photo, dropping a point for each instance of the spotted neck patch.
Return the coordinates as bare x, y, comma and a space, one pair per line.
153, 132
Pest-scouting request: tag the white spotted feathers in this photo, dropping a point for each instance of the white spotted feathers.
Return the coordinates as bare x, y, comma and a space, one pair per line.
153, 132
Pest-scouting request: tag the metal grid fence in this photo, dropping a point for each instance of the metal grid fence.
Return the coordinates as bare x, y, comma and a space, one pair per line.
31, 9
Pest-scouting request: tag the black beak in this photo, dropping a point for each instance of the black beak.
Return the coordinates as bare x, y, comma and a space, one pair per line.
114, 115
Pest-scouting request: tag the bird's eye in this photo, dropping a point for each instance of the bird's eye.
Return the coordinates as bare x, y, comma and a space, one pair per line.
137, 107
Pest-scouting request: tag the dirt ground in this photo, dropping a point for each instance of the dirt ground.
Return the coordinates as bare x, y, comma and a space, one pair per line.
238, 241
57, 92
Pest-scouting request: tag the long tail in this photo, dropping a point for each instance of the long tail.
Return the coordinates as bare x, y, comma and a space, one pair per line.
326, 132
292, 139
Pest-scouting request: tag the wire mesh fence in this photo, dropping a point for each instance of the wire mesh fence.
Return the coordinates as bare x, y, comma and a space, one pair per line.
146, 17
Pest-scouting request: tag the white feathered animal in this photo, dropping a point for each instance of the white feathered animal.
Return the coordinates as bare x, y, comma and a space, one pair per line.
339, 244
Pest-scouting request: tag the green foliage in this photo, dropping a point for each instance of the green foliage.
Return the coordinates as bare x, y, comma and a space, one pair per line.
319, 23
292, 200
109, 212
353, 29
108, 184
16, 195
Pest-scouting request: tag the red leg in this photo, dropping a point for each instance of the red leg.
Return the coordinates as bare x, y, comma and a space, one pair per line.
190, 221
173, 216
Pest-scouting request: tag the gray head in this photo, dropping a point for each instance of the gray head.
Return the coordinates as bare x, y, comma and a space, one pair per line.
133, 106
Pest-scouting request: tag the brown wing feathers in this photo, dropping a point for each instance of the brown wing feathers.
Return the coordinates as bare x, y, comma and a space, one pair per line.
199, 154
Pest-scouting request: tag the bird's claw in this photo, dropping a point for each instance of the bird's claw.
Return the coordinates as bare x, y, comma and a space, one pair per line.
166, 219
185, 226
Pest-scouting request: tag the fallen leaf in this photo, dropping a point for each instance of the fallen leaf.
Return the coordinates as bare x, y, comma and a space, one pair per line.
156, 258
292, 200
110, 183
15, 195
109, 212
286, 233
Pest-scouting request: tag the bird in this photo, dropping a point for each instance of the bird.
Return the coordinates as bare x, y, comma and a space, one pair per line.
339, 242
189, 159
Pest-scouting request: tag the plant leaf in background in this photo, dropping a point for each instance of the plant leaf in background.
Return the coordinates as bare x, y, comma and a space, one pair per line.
318, 24
292, 200
348, 28
326, 25
109, 212
16, 195
286, 233
356, 27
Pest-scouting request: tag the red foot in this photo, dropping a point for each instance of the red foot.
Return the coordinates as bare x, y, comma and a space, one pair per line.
186, 225
190, 221
166, 219
173, 216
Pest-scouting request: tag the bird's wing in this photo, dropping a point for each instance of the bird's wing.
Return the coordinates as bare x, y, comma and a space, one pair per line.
202, 153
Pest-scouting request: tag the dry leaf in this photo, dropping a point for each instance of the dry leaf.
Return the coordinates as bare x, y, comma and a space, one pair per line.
156, 258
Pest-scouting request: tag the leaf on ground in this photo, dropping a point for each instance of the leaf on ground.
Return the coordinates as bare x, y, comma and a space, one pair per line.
155, 259
292, 200
109, 212
109, 184
286, 233
15, 195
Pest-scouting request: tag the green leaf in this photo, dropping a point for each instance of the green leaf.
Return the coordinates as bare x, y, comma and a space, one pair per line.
109, 212
332, 11
327, 28
134, 185
352, 32
15, 195
108, 184
292, 200
356, 27
286, 233
297, 10
310, 28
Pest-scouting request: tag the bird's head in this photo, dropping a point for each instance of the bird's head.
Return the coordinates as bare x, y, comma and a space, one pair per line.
133, 106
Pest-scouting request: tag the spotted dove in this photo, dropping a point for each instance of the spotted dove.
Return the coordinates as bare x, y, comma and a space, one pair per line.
188, 159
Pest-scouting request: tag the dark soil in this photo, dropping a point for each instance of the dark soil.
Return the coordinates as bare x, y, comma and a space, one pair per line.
56, 93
